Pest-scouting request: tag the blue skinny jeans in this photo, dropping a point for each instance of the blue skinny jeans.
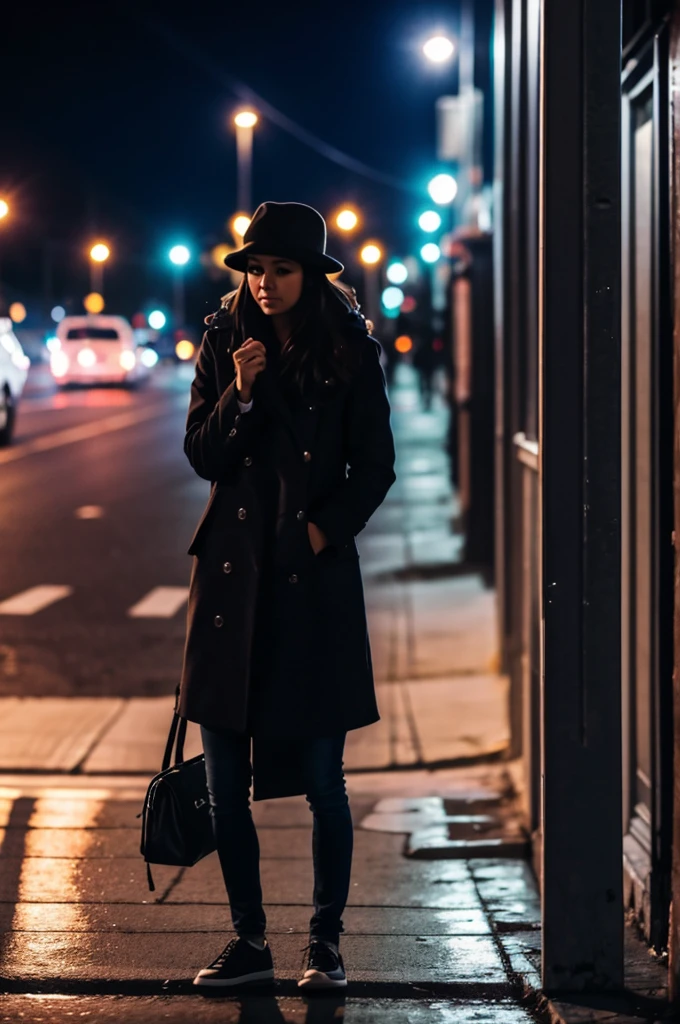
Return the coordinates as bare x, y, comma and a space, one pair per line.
229, 774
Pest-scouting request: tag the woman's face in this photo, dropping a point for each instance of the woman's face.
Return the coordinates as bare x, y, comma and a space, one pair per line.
275, 283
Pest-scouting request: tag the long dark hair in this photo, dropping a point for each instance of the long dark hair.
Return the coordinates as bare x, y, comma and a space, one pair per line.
326, 322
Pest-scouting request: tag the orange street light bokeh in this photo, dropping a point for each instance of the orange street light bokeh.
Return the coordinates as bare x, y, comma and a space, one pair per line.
94, 302
217, 254
371, 254
239, 224
100, 252
403, 344
184, 349
246, 119
17, 312
347, 220
4, 208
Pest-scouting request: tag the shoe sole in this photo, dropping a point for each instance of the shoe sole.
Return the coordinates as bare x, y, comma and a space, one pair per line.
244, 979
318, 980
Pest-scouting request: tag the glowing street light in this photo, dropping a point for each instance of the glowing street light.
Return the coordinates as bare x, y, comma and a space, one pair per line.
245, 121
396, 273
179, 255
239, 225
157, 319
4, 208
347, 220
443, 189
370, 254
429, 221
94, 302
17, 312
430, 252
392, 297
99, 254
438, 49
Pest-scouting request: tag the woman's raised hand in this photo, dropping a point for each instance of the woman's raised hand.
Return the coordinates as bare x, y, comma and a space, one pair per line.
249, 360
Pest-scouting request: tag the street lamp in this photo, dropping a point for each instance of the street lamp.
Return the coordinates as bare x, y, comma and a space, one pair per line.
245, 121
429, 221
239, 225
99, 254
438, 49
443, 189
4, 208
347, 220
179, 256
371, 255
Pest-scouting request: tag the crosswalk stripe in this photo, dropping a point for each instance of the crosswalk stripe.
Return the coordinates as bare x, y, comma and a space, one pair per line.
160, 603
33, 600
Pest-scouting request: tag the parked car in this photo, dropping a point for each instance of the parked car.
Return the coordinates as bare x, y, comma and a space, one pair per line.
14, 365
97, 349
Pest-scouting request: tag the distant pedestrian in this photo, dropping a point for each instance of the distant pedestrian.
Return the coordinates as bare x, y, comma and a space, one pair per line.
290, 422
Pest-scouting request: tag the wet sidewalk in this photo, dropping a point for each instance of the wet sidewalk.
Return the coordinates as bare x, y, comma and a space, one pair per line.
455, 936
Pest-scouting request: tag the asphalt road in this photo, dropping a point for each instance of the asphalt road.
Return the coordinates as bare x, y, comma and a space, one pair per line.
97, 501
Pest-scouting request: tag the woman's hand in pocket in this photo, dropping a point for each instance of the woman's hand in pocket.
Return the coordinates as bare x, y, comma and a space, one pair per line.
317, 538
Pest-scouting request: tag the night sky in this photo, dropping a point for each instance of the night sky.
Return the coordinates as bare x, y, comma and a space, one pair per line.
116, 123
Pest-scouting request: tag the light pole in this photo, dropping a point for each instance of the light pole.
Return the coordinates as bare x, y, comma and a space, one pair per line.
99, 254
179, 256
371, 256
4, 213
245, 121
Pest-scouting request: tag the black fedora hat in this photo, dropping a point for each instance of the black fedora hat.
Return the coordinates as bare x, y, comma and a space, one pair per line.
291, 230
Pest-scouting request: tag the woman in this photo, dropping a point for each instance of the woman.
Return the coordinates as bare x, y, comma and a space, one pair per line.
289, 420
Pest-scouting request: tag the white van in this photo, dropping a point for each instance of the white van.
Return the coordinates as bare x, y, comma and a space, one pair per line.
14, 365
97, 350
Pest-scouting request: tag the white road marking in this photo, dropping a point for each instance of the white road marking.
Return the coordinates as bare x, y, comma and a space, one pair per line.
89, 512
83, 432
160, 603
33, 600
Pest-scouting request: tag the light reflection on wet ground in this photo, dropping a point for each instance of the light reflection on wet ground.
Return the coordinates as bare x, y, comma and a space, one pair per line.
257, 1010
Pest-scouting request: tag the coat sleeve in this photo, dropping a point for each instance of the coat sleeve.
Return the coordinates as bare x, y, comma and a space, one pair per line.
370, 456
217, 435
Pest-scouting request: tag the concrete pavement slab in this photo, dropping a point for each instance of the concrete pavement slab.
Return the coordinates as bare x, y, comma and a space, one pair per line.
380, 882
49, 733
295, 843
281, 920
452, 959
136, 740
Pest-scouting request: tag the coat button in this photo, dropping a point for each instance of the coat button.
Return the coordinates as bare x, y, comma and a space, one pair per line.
292, 578
219, 621
300, 515
247, 461
312, 408
237, 417
242, 513
307, 456
226, 567
232, 432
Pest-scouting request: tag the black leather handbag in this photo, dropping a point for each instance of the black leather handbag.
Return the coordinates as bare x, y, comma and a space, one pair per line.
176, 823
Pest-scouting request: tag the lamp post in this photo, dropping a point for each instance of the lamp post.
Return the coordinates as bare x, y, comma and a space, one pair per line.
371, 255
99, 254
245, 121
179, 256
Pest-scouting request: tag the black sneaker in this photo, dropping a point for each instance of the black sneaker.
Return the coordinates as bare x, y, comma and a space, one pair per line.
325, 968
238, 964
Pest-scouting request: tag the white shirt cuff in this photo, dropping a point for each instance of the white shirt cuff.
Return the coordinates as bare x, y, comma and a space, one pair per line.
245, 406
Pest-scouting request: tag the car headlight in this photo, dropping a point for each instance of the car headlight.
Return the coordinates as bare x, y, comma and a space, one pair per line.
127, 360
59, 364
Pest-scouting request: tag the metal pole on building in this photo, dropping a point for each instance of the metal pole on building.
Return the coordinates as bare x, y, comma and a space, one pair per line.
580, 487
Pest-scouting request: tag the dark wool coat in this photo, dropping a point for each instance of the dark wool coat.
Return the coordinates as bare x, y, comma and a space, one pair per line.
277, 642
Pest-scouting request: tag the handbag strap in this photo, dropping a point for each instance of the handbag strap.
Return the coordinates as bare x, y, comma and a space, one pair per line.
178, 731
